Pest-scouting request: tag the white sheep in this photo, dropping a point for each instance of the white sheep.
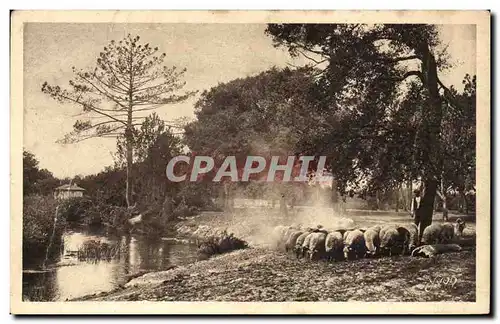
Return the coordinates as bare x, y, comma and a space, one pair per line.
300, 241
291, 241
317, 245
334, 244
354, 244
372, 240
451, 230
432, 234
392, 239
413, 230
447, 233
305, 245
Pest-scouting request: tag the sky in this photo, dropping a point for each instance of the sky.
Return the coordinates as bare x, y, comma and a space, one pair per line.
211, 53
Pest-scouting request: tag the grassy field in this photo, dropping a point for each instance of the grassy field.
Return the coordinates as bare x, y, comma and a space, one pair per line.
262, 274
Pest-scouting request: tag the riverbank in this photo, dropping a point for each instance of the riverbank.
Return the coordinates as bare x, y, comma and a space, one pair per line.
257, 274
261, 274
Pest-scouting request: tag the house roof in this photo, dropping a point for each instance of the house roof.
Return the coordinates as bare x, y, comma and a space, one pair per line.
69, 187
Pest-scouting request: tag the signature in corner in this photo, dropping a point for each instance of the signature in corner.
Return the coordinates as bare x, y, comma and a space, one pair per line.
441, 282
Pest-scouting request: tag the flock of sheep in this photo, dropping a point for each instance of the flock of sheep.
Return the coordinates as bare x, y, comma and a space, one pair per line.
351, 243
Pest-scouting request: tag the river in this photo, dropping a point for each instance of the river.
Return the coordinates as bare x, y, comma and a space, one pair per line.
73, 277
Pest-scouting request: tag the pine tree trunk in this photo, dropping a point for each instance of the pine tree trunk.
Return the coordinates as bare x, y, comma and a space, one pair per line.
128, 189
129, 139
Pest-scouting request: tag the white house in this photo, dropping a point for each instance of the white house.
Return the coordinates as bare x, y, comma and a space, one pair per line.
68, 191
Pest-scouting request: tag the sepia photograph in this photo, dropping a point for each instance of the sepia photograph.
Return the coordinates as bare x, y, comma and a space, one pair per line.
301, 162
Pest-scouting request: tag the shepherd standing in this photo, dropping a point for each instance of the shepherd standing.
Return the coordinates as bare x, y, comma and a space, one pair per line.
415, 206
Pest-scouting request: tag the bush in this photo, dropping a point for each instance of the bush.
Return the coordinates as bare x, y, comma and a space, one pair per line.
38, 225
195, 195
89, 212
222, 243
77, 208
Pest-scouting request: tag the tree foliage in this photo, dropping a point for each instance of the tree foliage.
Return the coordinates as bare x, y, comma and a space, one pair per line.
36, 180
459, 139
267, 114
382, 86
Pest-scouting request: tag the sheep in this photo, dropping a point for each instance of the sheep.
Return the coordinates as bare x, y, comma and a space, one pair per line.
392, 239
317, 245
432, 234
291, 241
413, 238
346, 233
354, 244
450, 231
305, 245
334, 244
442, 233
300, 241
431, 251
284, 236
372, 240
447, 233
404, 239
384, 228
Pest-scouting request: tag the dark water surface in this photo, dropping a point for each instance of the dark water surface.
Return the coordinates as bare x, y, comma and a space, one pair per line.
71, 278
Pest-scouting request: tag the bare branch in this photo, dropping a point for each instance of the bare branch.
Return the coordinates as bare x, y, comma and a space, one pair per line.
154, 86
312, 59
399, 59
112, 87
100, 124
409, 74
114, 74
103, 92
448, 95
90, 107
310, 49
75, 137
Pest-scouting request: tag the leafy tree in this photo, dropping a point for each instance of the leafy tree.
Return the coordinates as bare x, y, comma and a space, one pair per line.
459, 144
145, 136
129, 78
30, 171
36, 180
106, 187
152, 183
369, 75
267, 114
155, 144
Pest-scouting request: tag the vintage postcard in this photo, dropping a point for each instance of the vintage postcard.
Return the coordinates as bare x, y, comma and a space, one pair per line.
250, 162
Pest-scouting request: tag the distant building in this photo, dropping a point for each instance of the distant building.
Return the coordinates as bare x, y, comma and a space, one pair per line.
68, 191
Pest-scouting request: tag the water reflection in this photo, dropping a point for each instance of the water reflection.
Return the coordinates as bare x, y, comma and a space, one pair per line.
72, 277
